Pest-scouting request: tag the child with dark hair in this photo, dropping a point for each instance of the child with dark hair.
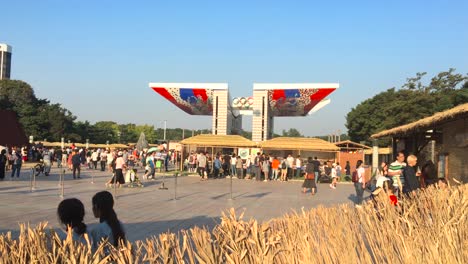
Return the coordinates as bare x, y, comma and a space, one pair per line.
71, 213
110, 227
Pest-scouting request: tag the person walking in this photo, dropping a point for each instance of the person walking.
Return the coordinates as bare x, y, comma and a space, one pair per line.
348, 170
334, 176
309, 182
360, 183
266, 168
240, 167
76, 164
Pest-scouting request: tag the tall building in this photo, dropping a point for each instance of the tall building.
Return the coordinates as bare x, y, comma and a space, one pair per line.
5, 61
269, 100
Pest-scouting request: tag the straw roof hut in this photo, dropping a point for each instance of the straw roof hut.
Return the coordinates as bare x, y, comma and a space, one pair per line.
296, 143
226, 141
460, 111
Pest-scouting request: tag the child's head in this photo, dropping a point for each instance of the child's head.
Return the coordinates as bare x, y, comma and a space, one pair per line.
442, 184
103, 203
71, 213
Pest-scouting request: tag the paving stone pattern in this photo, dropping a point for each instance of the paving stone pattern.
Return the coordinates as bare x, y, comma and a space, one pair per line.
150, 211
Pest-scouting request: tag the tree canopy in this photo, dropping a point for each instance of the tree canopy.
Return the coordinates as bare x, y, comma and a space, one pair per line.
413, 101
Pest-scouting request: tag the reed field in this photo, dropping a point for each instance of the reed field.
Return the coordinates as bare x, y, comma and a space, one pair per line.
431, 228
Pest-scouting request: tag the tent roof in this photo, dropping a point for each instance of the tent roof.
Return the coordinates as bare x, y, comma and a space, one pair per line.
209, 140
350, 145
426, 123
293, 143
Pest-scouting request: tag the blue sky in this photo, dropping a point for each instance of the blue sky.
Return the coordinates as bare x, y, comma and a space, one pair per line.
96, 58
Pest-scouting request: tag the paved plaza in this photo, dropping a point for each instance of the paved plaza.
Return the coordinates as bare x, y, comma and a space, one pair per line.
150, 211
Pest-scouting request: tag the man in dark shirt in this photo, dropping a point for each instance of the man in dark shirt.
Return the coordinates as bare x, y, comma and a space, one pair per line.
411, 176
226, 165
316, 163
76, 162
58, 157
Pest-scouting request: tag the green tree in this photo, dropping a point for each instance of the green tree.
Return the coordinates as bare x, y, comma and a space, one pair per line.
412, 102
292, 132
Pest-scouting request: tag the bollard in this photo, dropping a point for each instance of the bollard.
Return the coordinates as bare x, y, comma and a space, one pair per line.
115, 186
34, 180
163, 186
62, 184
175, 186
30, 180
92, 179
231, 189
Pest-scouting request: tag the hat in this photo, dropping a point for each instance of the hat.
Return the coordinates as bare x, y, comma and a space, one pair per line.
120, 153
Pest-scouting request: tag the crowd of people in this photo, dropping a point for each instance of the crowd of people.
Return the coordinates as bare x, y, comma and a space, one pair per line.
398, 179
262, 167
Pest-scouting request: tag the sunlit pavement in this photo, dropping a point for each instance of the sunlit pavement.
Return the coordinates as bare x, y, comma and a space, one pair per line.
149, 210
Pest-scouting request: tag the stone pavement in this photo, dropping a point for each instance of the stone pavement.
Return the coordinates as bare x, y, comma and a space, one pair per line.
149, 211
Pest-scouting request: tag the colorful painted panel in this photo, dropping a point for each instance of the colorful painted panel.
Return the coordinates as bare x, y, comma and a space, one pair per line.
296, 102
194, 101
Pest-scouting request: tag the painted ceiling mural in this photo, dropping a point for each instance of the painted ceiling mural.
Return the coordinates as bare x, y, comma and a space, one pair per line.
296, 102
193, 101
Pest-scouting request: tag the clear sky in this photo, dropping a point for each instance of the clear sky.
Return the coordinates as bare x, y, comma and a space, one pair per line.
96, 58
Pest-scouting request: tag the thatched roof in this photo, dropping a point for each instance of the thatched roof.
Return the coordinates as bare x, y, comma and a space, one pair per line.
295, 143
426, 123
348, 144
208, 140
382, 151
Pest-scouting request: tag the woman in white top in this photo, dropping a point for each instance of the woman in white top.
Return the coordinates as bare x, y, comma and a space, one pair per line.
71, 213
360, 185
109, 229
334, 176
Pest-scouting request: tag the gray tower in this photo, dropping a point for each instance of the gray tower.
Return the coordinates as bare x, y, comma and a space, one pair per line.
5, 61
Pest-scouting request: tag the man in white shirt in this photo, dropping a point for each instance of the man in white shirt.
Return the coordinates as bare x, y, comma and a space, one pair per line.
298, 166
290, 162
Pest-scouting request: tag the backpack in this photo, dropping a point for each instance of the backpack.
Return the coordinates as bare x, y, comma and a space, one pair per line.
355, 177
283, 165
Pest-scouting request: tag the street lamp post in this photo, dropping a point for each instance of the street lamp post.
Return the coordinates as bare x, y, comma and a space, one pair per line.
165, 123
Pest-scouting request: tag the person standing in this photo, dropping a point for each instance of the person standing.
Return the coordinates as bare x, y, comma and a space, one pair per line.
290, 163
94, 158
284, 169
226, 164
17, 162
3, 162
348, 170
298, 164
202, 166
266, 167
76, 164
411, 175
316, 168
275, 167
334, 176
395, 170
309, 182
233, 165
240, 167
58, 157
257, 167
339, 170
360, 184
216, 167
103, 160
46, 157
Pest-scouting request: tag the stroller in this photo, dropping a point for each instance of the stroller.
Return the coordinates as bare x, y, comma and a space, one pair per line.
131, 179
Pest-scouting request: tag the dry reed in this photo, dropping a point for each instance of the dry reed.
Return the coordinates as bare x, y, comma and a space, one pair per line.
431, 228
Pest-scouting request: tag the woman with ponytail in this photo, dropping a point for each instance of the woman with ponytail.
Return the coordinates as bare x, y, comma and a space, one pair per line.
71, 213
110, 227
